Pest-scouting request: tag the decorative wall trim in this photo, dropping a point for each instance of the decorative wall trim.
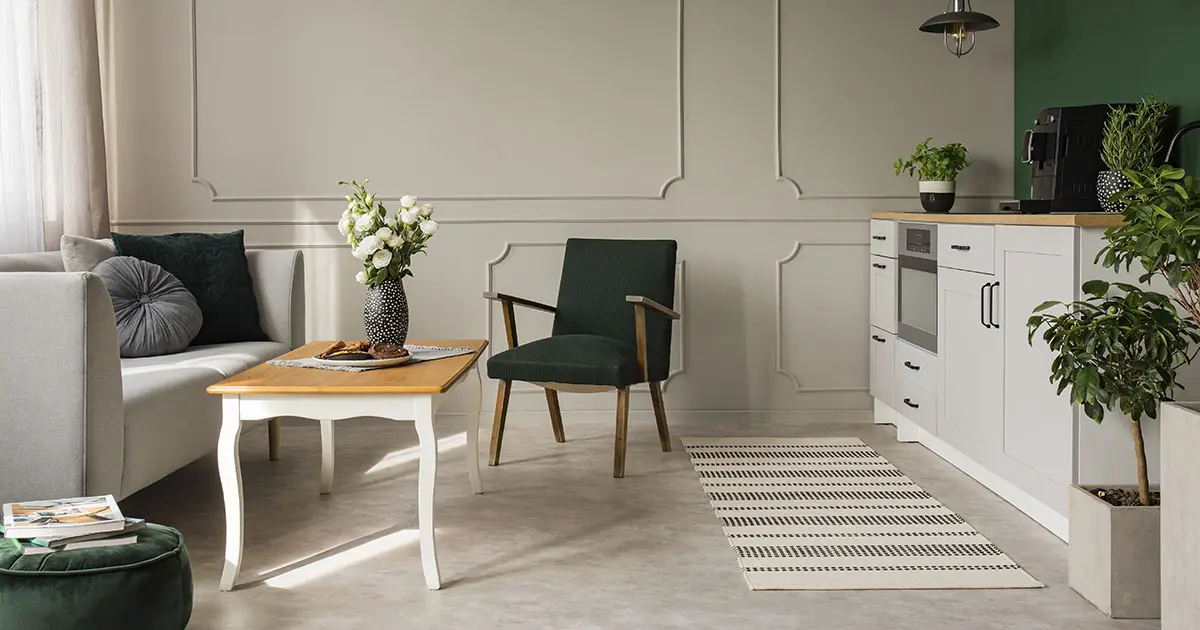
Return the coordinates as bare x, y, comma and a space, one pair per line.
780, 368
660, 194
779, 174
489, 284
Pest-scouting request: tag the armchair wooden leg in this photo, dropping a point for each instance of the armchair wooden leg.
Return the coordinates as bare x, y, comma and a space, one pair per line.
622, 432
660, 416
555, 416
498, 424
274, 431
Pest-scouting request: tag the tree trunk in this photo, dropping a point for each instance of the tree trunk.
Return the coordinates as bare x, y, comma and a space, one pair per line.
1139, 446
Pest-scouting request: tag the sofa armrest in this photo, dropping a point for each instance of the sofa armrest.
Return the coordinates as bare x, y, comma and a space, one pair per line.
278, 276
61, 411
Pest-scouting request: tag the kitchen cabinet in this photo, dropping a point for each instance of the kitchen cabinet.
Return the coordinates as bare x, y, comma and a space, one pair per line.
916, 382
1036, 450
971, 349
883, 293
883, 369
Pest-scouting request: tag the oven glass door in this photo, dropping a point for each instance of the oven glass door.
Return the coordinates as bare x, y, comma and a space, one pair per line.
918, 302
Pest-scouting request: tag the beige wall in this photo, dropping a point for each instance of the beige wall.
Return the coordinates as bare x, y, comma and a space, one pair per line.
758, 134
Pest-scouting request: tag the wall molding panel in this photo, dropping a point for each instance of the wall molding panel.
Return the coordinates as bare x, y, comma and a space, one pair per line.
217, 196
780, 364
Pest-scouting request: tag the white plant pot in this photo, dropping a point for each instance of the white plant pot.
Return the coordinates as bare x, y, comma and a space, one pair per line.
1180, 514
936, 196
1114, 556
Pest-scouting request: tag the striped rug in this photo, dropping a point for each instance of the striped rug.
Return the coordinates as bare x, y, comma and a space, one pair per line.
833, 514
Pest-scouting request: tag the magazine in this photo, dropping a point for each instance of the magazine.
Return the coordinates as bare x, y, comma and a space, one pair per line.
62, 517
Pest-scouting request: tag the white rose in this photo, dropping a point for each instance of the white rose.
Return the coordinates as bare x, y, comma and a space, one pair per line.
344, 225
396, 241
361, 277
429, 227
381, 259
426, 210
408, 217
384, 233
408, 201
364, 222
366, 247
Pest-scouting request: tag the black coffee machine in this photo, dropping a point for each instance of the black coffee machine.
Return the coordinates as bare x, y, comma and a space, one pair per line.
1063, 149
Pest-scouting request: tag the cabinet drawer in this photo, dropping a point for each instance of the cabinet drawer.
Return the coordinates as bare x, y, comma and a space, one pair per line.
883, 366
883, 238
917, 403
917, 365
967, 247
883, 293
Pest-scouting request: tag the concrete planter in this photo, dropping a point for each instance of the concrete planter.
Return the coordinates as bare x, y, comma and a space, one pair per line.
1114, 556
1180, 514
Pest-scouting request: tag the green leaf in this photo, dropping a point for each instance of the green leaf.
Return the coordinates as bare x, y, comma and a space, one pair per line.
1045, 305
1098, 288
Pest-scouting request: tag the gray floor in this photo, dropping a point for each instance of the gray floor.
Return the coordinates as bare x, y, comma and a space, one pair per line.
556, 542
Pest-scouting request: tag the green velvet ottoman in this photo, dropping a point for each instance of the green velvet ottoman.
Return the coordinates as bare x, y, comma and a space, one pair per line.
144, 585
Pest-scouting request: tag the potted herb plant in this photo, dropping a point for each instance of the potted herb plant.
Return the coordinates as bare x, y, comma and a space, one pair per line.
1131, 142
1120, 349
385, 241
937, 167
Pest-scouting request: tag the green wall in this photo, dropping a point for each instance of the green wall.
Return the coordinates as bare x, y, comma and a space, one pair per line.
1081, 52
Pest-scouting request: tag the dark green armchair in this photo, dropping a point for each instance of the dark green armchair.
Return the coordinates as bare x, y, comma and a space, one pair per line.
612, 329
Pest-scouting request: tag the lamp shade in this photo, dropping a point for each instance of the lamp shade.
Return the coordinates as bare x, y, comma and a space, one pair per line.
971, 21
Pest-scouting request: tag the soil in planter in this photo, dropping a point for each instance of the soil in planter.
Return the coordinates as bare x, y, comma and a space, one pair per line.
1122, 497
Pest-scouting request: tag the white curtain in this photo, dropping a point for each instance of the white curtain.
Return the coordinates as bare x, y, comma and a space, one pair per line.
52, 171
21, 218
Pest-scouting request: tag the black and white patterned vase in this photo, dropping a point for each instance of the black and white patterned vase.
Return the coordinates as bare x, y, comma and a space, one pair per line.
385, 313
1109, 183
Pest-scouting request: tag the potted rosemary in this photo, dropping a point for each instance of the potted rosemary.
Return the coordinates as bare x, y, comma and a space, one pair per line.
1131, 142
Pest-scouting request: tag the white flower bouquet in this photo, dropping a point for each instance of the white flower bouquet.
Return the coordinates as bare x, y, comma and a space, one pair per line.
385, 241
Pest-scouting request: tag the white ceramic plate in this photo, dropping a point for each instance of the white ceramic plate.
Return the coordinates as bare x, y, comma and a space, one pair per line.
365, 362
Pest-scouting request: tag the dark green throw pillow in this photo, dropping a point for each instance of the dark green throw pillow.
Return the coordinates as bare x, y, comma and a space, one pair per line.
214, 268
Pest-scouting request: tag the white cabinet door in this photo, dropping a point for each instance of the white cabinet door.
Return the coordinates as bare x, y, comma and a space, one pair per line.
1036, 450
883, 293
883, 354
971, 348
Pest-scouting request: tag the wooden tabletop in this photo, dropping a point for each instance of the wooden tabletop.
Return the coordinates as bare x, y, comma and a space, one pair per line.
1083, 219
426, 377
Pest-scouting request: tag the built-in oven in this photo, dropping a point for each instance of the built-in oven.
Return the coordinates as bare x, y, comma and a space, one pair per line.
917, 292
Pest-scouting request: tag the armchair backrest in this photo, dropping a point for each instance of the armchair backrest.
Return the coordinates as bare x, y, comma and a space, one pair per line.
597, 274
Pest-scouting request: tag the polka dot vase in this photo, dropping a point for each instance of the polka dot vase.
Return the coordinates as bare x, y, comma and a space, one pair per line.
1109, 183
385, 313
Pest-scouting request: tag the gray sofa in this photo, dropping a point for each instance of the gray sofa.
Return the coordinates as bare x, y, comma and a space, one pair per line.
77, 418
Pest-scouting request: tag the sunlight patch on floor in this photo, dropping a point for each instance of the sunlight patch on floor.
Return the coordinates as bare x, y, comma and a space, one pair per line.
341, 560
413, 453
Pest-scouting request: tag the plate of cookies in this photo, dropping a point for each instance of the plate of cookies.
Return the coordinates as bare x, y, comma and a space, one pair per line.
363, 354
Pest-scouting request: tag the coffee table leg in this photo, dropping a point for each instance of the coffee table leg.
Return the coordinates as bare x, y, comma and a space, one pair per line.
326, 456
473, 408
425, 489
230, 469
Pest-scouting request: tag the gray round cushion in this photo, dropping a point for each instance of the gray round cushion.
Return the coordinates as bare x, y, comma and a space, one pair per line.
156, 314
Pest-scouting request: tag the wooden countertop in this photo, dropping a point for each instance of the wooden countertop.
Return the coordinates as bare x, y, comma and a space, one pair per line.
1090, 219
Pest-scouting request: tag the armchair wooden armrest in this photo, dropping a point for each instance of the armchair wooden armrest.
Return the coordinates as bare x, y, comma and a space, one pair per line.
637, 300
506, 306
640, 303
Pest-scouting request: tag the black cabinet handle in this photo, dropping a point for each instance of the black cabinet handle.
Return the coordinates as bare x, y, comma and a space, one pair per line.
911, 366
961, 248
879, 339
992, 305
911, 404
878, 266
879, 238
983, 305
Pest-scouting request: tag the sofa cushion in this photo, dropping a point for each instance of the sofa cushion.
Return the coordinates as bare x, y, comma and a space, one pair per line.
214, 268
80, 253
155, 313
169, 419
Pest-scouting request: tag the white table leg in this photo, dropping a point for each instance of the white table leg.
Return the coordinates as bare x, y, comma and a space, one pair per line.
230, 468
473, 409
423, 406
326, 456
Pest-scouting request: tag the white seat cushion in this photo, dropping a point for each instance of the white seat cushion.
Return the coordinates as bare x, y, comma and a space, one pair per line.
169, 418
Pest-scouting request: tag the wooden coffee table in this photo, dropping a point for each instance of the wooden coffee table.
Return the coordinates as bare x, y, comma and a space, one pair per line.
406, 393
